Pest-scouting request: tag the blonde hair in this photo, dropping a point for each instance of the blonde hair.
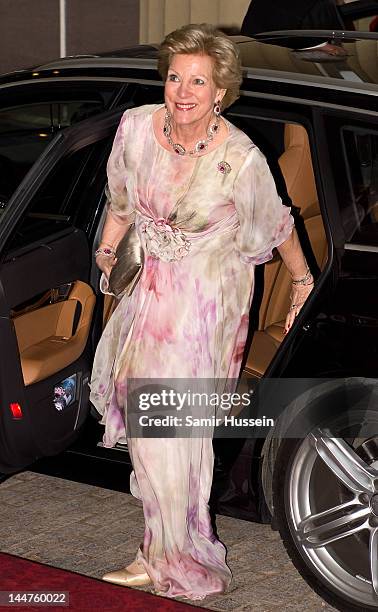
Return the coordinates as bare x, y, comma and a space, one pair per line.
205, 39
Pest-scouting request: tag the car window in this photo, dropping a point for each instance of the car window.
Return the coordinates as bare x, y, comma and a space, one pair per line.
144, 94
26, 130
360, 203
66, 197
30, 120
353, 160
50, 116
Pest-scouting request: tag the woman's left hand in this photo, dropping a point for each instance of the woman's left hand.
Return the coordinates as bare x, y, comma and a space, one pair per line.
298, 296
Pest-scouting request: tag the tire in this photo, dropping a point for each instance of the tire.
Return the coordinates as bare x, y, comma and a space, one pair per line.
333, 467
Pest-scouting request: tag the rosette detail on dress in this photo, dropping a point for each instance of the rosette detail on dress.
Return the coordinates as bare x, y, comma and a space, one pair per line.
164, 241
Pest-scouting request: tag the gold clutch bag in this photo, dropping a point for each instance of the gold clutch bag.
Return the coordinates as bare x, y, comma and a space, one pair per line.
129, 267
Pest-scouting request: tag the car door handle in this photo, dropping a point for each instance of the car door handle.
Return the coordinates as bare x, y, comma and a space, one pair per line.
61, 293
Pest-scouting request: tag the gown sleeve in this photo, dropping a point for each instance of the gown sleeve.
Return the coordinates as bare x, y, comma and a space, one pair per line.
264, 222
118, 202
119, 205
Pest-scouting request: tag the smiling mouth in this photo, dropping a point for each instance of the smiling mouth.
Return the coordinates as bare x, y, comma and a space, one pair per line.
185, 107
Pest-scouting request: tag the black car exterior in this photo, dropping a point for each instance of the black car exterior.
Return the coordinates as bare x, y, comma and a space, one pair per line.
56, 127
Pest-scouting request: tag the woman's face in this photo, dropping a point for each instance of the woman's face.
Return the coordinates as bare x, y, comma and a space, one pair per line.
190, 91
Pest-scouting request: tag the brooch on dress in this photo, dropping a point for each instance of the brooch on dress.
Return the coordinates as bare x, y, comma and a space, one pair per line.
224, 167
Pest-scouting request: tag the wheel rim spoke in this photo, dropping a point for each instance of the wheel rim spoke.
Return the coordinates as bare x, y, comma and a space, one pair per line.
373, 554
333, 524
347, 466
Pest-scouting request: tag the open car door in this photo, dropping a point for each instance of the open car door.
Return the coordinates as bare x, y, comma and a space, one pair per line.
47, 303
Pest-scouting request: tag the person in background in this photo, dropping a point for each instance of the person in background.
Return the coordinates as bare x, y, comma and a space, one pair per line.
273, 15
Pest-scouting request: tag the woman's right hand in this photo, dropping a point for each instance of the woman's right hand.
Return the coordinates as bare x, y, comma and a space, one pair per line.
105, 263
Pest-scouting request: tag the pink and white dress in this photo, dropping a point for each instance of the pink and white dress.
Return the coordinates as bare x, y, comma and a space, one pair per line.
205, 223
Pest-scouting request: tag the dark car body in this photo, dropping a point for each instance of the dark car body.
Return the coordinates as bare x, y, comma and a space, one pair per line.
57, 122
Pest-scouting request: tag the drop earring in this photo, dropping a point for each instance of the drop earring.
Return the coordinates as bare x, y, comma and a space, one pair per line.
217, 108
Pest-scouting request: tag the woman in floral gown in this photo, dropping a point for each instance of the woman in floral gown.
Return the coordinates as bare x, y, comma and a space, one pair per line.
207, 211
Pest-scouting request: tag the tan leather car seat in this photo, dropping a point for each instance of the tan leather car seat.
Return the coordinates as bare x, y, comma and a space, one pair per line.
297, 170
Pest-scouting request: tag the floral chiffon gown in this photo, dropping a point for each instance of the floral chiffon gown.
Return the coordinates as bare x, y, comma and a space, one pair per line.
219, 216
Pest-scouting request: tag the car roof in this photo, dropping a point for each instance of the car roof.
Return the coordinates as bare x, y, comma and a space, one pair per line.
264, 58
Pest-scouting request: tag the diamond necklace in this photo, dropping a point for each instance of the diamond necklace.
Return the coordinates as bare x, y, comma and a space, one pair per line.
200, 146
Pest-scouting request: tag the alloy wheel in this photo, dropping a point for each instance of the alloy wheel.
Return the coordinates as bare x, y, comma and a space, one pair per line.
333, 508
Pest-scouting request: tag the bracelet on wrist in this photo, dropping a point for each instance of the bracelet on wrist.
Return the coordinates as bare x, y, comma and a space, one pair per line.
106, 251
305, 280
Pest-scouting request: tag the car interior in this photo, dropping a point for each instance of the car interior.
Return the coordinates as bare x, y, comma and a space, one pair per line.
296, 166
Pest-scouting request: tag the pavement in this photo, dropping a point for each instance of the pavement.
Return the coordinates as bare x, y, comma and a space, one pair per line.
92, 530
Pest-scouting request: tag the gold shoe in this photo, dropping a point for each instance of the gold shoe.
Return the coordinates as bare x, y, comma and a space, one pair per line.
125, 578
